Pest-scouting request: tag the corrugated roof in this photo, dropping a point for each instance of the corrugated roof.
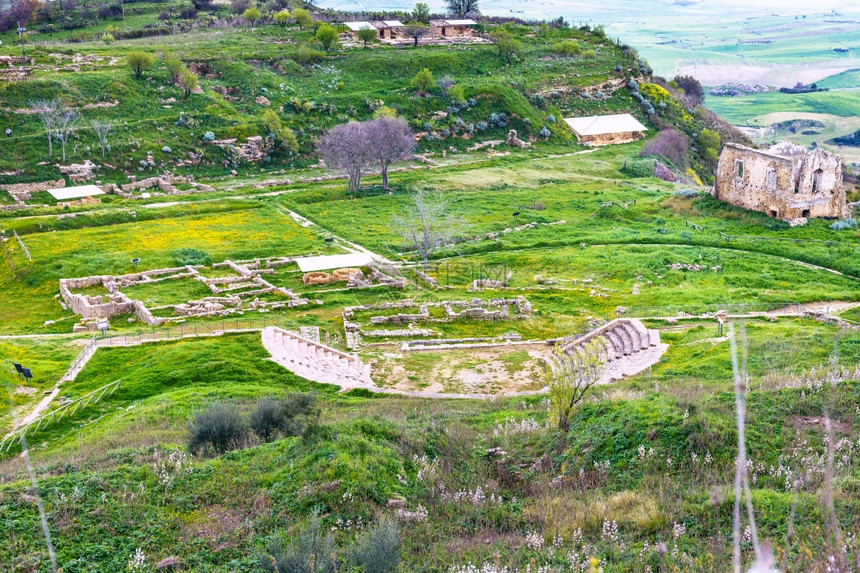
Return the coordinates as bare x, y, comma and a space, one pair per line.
356, 26
603, 124
75, 192
326, 262
393, 23
466, 22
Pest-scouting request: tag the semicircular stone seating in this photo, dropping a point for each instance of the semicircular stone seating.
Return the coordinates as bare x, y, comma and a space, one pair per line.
630, 347
316, 361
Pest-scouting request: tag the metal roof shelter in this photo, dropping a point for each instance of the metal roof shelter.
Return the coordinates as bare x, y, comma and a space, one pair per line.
604, 124
65, 193
465, 22
356, 26
326, 262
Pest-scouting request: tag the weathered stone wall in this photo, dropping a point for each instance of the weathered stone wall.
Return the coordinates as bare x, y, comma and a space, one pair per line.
787, 188
608, 138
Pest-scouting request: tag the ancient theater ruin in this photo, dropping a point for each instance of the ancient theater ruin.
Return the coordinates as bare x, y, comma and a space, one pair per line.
785, 181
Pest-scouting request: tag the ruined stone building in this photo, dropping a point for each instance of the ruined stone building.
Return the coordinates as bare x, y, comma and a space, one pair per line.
785, 181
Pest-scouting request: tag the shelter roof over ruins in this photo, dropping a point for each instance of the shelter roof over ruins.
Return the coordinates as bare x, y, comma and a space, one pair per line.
465, 22
604, 124
65, 193
325, 262
356, 26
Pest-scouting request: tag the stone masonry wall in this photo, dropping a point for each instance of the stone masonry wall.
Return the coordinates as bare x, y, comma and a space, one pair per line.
787, 188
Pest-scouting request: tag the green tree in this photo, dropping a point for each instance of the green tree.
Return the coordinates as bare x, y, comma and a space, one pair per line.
326, 35
709, 147
457, 94
423, 80
543, 30
283, 134
188, 82
175, 67
139, 62
506, 43
569, 377
303, 18
421, 13
252, 15
283, 17
367, 35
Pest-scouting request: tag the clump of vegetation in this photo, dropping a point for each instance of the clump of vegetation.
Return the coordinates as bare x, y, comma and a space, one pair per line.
219, 428
288, 416
139, 62
191, 256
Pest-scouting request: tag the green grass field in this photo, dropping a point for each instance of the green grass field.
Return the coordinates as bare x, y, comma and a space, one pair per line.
489, 483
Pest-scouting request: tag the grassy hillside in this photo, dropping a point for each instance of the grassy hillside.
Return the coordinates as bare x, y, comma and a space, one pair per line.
641, 480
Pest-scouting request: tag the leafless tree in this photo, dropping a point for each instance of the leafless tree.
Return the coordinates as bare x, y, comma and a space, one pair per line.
390, 140
67, 120
570, 374
462, 8
426, 224
102, 130
416, 32
444, 83
49, 111
346, 146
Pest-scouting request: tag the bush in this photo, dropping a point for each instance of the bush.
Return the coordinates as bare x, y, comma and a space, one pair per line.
377, 550
288, 416
188, 13
327, 36
108, 39
567, 48
671, 144
309, 552
423, 80
545, 132
190, 255
219, 428
844, 225
457, 94
239, 6
139, 62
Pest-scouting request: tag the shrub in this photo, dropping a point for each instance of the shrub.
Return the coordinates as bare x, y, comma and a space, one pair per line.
108, 39
220, 428
550, 118
282, 17
166, 149
175, 67
423, 80
308, 552
326, 35
457, 94
303, 18
545, 132
669, 143
481, 126
567, 48
688, 193
288, 416
252, 14
188, 13
377, 550
190, 255
239, 6
139, 62
208, 137
844, 225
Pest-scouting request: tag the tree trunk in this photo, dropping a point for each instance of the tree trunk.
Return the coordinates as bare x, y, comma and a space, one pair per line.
385, 176
415, 45
50, 145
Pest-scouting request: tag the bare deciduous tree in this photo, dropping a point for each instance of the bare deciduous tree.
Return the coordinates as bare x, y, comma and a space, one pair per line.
462, 8
426, 224
49, 112
569, 376
416, 31
390, 140
102, 130
346, 146
66, 122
